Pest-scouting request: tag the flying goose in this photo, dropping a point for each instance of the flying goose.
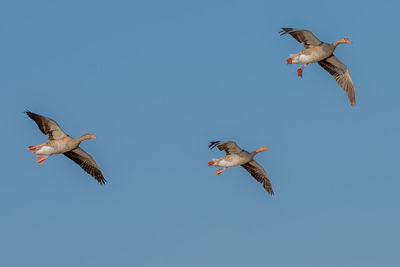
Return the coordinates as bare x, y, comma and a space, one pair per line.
60, 143
236, 156
317, 51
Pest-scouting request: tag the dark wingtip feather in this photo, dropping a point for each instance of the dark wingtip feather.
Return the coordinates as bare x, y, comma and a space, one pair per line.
213, 144
285, 30
30, 114
101, 180
97, 174
269, 189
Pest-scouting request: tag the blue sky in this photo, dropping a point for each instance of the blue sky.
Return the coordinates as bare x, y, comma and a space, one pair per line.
156, 81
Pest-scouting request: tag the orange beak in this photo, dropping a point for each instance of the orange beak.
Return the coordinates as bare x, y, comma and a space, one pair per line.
348, 41
263, 148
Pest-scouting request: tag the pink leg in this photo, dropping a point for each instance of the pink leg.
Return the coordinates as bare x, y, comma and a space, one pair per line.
219, 171
41, 159
300, 71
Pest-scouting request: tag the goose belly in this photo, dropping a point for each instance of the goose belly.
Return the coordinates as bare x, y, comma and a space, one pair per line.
224, 163
303, 59
45, 150
63, 145
311, 55
230, 161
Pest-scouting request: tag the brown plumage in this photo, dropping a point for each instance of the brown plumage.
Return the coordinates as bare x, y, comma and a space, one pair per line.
47, 126
61, 143
317, 51
83, 159
236, 156
302, 36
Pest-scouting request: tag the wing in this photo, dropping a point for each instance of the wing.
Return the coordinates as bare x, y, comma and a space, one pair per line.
229, 146
341, 74
47, 126
258, 172
302, 36
87, 163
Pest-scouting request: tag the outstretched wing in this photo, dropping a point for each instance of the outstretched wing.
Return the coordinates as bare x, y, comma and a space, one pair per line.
87, 163
47, 126
302, 36
258, 172
341, 74
230, 147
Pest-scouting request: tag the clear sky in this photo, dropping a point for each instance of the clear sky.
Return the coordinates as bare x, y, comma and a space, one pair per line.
155, 81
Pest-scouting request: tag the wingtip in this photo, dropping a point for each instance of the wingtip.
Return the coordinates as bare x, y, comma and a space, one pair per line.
30, 113
284, 31
213, 144
268, 188
270, 191
101, 180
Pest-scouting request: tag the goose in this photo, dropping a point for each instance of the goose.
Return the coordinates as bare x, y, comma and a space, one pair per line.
236, 156
61, 143
317, 51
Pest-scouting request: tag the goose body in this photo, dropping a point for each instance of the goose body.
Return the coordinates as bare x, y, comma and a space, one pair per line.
233, 160
58, 146
312, 54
